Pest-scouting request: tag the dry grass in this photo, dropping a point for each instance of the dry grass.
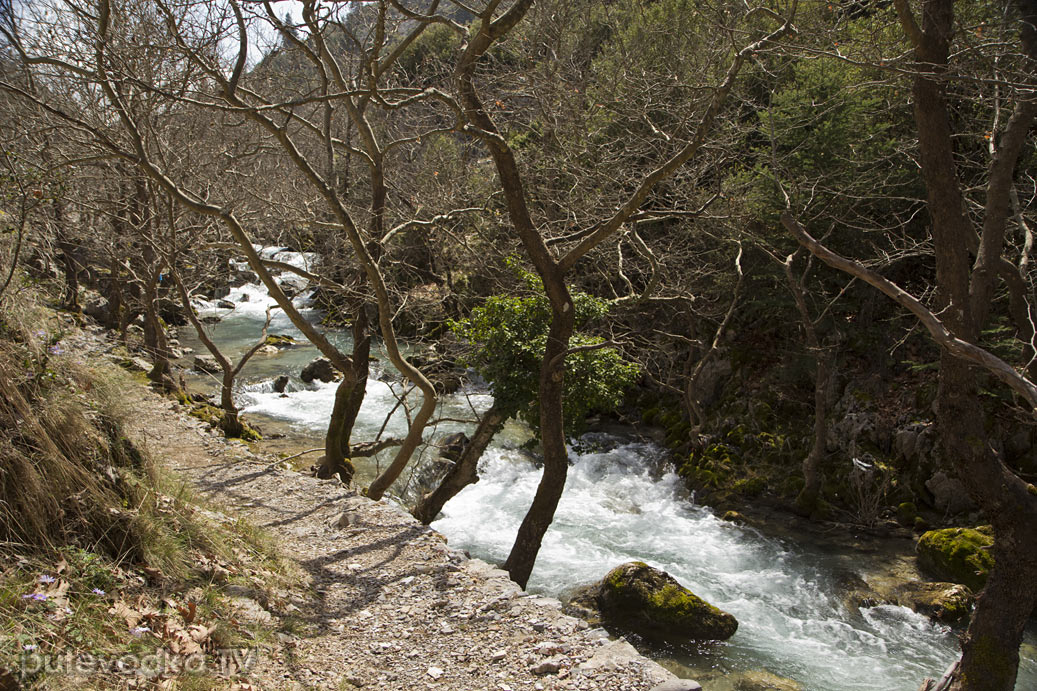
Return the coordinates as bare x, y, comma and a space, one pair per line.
91, 528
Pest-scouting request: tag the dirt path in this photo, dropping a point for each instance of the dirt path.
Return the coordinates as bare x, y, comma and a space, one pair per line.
388, 604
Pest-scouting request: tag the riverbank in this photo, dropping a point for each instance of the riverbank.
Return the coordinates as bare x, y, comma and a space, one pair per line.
389, 604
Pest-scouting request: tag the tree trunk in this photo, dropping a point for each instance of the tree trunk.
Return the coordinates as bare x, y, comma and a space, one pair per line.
807, 499
69, 265
361, 372
230, 424
990, 648
464, 472
116, 306
336, 441
349, 396
519, 564
155, 341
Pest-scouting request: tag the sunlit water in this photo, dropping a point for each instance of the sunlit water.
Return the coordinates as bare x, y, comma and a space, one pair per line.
621, 505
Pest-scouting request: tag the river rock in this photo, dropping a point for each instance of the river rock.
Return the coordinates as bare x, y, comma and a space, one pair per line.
209, 319
97, 309
763, 680
268, 350
288, 289
946, 602
206, 364
319, 368
958, 555
171, 312
280, 341
281, 383
949, 495
137, 364
650, 602
678, 685
452, 446
244, 297
225, 304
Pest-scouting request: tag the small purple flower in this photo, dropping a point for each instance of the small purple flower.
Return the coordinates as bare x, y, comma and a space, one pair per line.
47, 579
139, 630
35, 597
97, 591
55, 350
29, 647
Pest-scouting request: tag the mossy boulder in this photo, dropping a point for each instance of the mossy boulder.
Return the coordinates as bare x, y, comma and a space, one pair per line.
651, 603
950, 603
214, 416
959, 555
907, 512
208, 413
280, 341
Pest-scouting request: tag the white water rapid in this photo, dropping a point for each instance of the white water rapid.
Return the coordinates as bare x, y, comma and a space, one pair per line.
620, 505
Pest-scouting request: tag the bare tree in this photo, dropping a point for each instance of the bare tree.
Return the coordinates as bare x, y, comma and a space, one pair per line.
552, 267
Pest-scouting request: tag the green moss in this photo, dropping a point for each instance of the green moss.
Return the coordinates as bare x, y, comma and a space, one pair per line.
959, 555
954, 609
907, 512
207, 413
1032, 490
995, 663
249, 433
669, 419
279, 340
750, 486
651, 602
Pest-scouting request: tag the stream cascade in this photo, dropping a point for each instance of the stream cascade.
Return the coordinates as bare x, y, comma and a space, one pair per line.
621, 503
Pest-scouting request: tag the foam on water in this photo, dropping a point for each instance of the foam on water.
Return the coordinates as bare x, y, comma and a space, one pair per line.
619, 506
615, 509
310, 408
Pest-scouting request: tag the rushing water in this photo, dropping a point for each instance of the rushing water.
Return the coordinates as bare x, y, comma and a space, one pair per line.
620, 504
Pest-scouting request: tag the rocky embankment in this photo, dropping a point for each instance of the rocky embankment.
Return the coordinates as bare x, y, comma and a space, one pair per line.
387, 603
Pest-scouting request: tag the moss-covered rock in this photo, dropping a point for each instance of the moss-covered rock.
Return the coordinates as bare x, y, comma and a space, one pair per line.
959, 555
208, 413
214, 416
652, 603
279, 341
947, 602
907, 512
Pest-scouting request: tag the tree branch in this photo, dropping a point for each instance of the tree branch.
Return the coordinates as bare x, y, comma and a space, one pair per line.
943, 337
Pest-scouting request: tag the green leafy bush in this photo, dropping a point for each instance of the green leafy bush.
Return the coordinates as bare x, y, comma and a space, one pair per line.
510, 335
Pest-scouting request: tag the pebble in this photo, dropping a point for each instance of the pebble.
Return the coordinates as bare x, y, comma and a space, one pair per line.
411, 612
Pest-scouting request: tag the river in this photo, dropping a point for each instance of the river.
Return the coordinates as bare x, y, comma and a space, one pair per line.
620, 504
